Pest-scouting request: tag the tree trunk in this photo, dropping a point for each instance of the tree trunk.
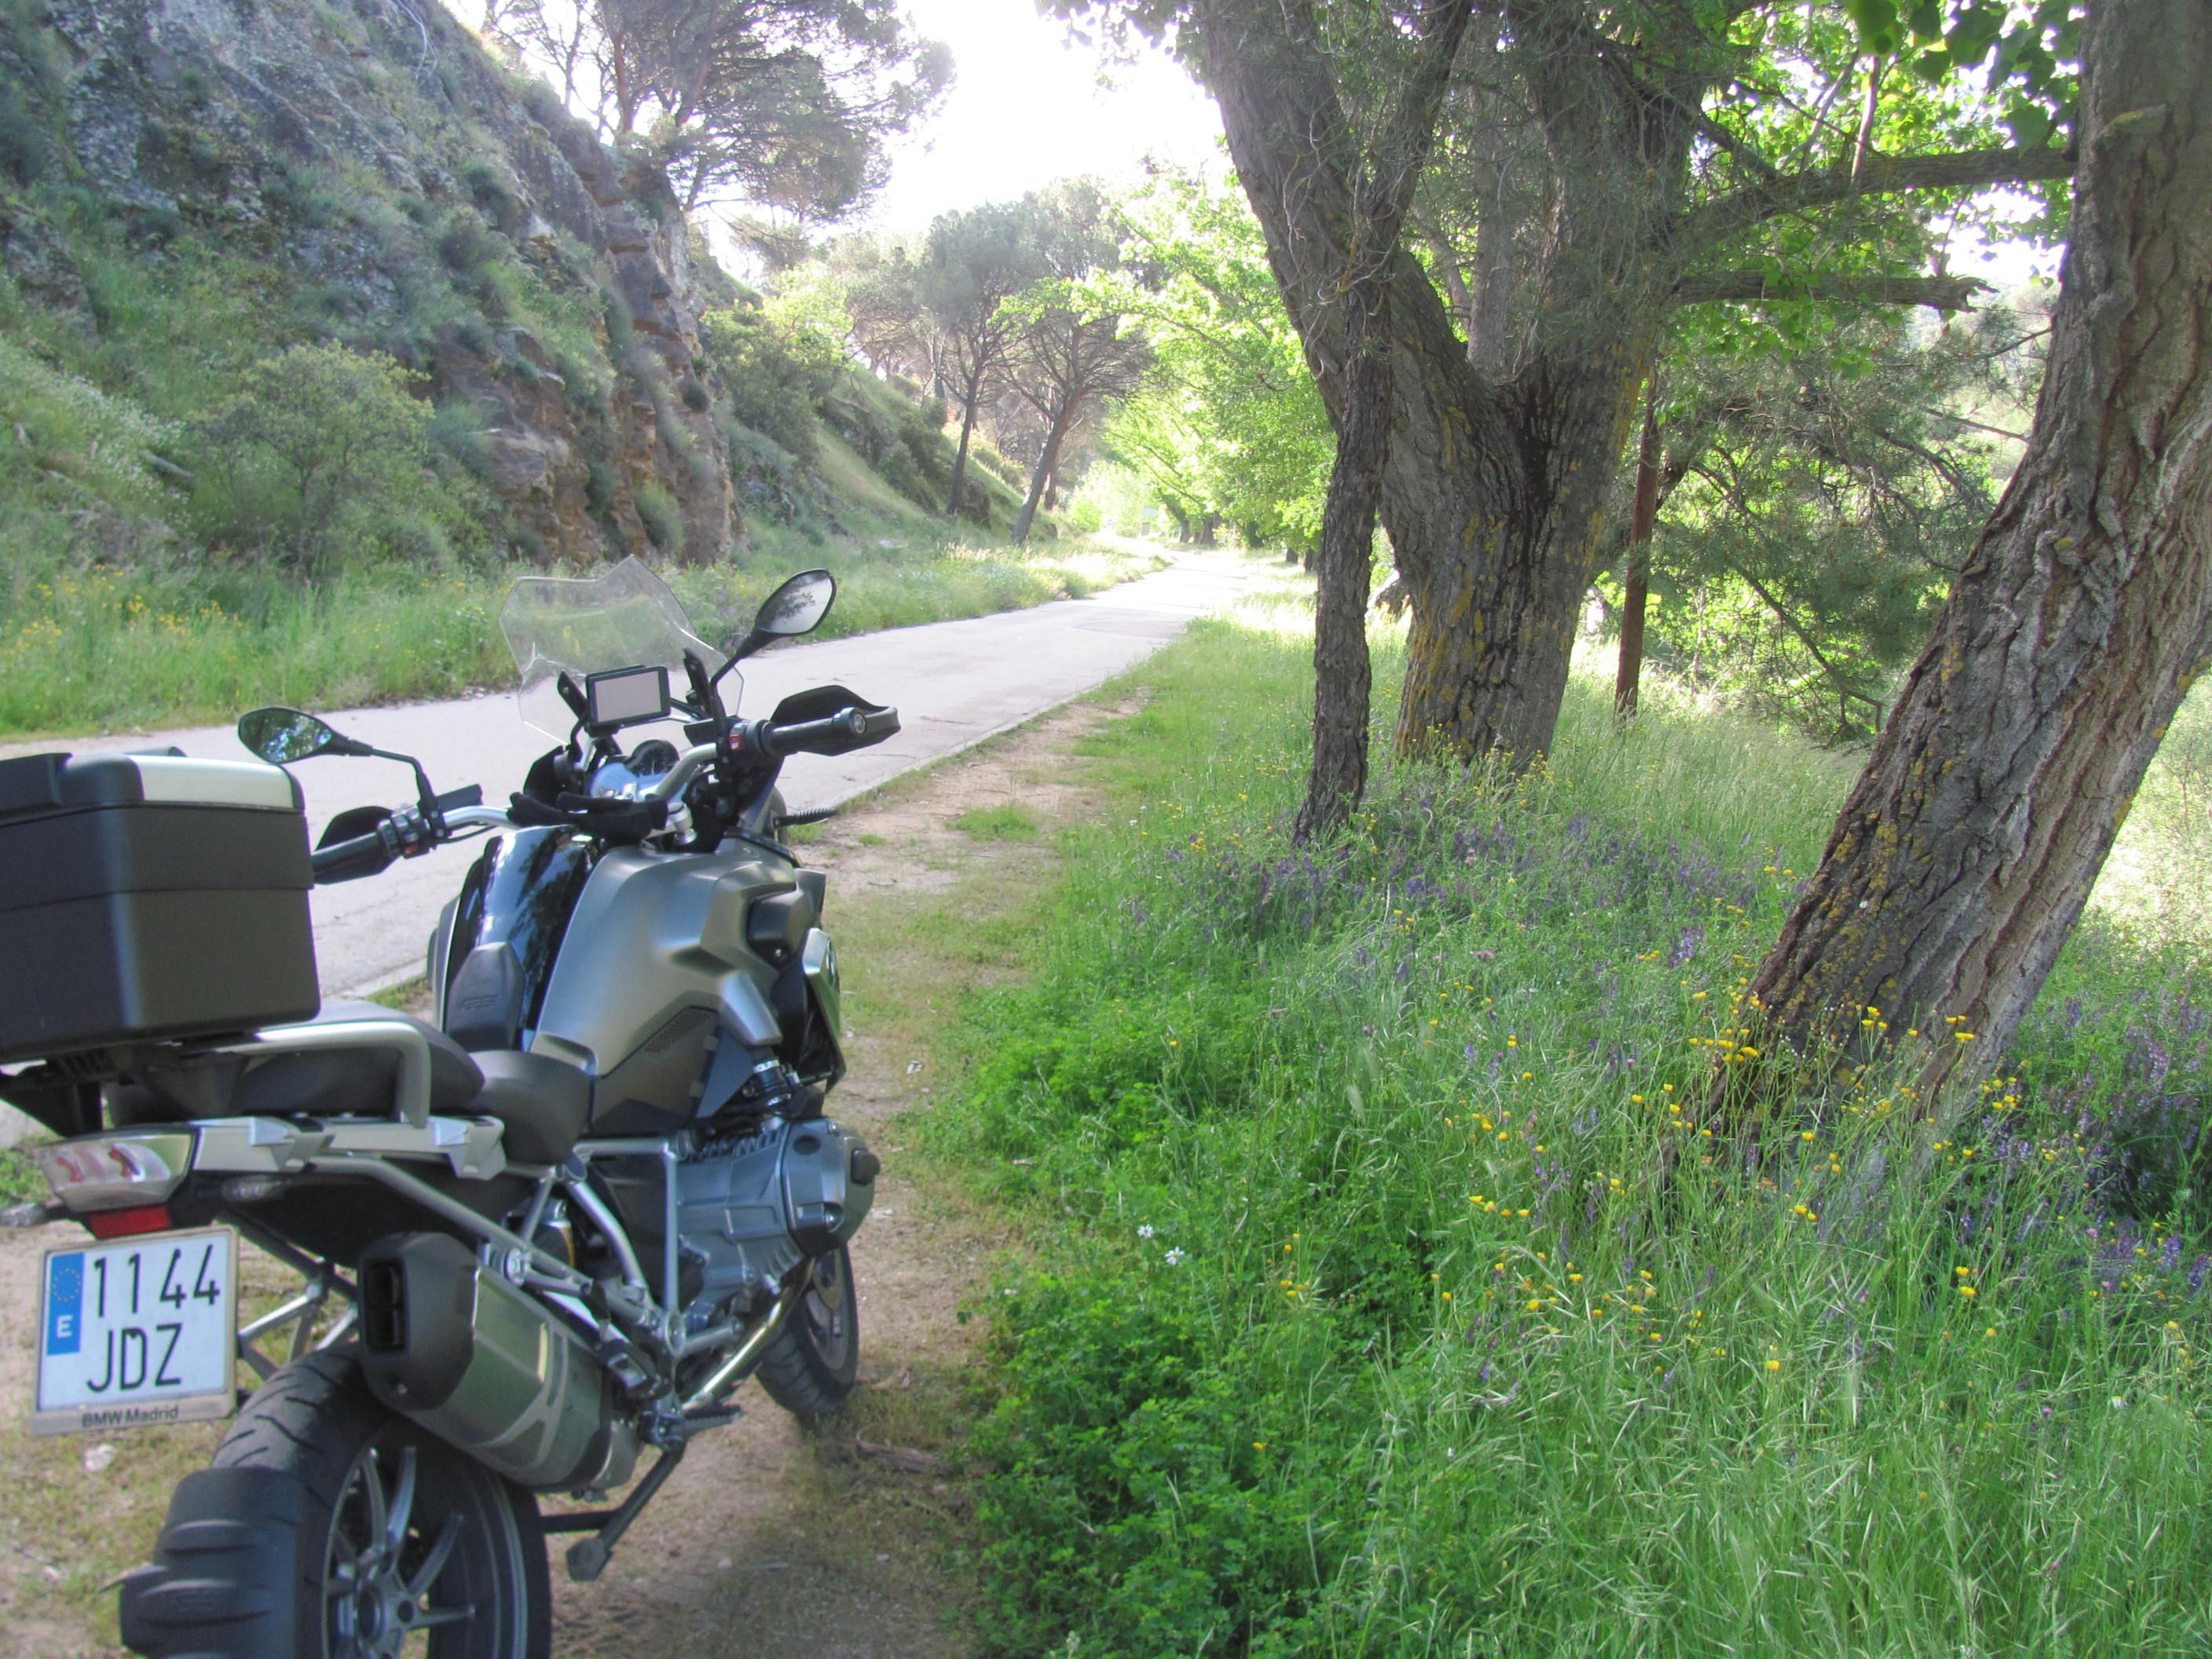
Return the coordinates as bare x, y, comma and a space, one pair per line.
1490, 300
1637, 577
960, 456
625, 99
1967, 848
1499, 549
1494, 490
1041, 478
1342, 674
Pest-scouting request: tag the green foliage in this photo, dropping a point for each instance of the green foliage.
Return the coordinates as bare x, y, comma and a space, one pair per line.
1387, 1294
1112, 497
22, 1181
1817, 498
1007, 472
788, 108
313, 435
772, 382
657, 510
2027, 50
1229, 425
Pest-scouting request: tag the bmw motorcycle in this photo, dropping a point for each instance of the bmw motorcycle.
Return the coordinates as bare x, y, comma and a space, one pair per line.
543, 1232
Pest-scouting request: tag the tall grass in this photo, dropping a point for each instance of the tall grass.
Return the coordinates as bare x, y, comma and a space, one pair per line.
85, 647
1390, 1293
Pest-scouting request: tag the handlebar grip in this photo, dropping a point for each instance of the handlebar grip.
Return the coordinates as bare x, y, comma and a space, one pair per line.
835, 734
350, 860
781, 740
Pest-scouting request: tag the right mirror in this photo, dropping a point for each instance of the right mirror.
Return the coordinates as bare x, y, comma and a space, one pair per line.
798, 606
281, 736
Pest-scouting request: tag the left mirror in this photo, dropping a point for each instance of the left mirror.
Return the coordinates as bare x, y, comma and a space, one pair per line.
798, 606
281, 736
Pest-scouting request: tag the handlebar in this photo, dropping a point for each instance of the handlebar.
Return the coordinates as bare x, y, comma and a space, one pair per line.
846, 730
409, 832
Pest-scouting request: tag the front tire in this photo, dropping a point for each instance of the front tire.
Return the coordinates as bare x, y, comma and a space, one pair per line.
810, 1367
393, 1543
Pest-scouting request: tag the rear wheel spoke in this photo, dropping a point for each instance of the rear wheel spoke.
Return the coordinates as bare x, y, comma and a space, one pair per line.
394, 1531
372, 1486
434, 1562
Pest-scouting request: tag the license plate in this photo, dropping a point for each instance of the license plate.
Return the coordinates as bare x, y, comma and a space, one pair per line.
138, 1333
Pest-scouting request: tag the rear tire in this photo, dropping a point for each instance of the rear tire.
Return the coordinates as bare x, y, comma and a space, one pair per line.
809, 1369
388, 1532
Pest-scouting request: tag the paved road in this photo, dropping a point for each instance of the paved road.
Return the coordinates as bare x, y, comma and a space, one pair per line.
954, 684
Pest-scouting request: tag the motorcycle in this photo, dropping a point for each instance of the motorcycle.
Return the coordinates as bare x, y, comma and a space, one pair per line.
547, 1230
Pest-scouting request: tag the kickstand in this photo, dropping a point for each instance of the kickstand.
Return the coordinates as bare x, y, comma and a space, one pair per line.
587, 1558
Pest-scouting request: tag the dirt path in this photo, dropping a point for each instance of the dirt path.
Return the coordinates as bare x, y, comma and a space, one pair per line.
768, 1539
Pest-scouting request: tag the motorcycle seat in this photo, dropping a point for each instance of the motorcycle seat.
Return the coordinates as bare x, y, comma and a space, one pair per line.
352, 1083
542, 1104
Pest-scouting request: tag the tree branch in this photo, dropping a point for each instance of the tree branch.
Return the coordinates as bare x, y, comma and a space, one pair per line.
1978, 426
1744, 151
1730, 215
1939, 293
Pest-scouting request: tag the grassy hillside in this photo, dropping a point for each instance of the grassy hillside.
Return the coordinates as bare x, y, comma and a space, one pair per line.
1389, 1292
220, 228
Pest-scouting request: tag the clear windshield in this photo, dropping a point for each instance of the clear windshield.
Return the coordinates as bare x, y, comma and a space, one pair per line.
626, 618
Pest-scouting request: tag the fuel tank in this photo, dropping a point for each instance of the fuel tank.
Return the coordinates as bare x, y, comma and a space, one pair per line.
668, 954
494, 951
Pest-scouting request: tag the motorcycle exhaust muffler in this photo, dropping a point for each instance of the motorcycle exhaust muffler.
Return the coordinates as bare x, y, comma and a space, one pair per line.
448, 1343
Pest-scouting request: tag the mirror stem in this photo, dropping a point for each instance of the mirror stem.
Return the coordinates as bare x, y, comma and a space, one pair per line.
746, 646
425, 796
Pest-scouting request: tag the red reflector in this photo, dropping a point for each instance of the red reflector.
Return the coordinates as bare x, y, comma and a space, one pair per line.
126, 1223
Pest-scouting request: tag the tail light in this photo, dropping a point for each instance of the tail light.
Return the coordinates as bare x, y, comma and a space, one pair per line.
130, 1171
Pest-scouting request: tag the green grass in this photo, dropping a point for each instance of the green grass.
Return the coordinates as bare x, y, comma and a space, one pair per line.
1005, 823
100, 649
1363, 1316
21, 1179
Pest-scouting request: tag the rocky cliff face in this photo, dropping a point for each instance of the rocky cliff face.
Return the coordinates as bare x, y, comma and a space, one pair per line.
399, 190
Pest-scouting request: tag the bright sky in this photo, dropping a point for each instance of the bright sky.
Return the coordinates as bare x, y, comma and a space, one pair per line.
1028, 107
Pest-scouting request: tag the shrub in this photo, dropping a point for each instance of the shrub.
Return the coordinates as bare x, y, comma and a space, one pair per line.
663, 519
492, 188
598, 486
312, 434
464, 244
771, 387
